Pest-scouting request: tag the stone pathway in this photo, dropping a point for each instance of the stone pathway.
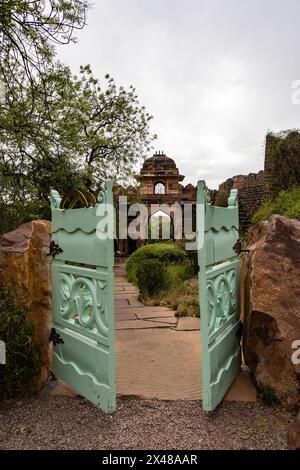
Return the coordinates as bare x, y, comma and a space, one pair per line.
158, 355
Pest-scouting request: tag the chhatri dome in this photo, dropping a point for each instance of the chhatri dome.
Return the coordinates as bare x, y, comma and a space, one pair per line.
160, 175
159, 164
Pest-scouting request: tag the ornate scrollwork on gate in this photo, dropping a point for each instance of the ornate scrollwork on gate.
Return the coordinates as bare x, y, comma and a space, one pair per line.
222, 301
83, 300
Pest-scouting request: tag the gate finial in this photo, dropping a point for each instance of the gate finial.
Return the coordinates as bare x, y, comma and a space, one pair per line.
233, 198
55, 199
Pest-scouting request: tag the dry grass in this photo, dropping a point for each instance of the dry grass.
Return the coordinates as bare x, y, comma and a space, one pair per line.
183, 297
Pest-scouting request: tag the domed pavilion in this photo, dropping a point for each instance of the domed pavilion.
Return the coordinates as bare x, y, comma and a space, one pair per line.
159, 175
160, 183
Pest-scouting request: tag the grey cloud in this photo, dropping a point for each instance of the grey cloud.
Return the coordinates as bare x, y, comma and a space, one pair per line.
216, 75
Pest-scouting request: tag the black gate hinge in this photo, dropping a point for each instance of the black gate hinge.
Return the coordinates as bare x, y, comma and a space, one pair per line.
55, 337
237, 247
54, 249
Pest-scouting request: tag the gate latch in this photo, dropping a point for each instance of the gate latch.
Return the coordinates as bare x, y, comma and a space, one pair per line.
55, 249
237, 247
55, 337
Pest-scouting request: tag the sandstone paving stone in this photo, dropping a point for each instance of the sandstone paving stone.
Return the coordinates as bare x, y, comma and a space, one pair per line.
167, 320
131, 296
134, 302
154, 312
125, 314
188, 324
121, 303
139, 324
159, 363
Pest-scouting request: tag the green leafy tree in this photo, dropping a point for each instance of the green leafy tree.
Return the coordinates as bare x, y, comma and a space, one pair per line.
88, 134
29, 30
284, 153
56, 129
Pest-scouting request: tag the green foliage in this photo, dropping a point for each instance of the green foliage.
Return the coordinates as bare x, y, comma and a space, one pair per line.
170, 282
28, 32
182, 297
284, 151
286, 203
222, 198
179, 272
192, 255
58, 130
88, 134
168, 253
22, 356
151, 276
20, 212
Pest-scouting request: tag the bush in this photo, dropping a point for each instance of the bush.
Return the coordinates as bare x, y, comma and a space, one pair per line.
167, 253
192, 255
222, 198
182, 297
17, 376
179, 272
287, 203
284, 153
152, 277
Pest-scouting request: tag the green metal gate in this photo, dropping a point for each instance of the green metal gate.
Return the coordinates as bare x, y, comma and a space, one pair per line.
83, 299
217, 230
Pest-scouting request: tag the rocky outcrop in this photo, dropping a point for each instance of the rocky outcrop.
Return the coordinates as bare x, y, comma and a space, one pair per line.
25, 267
270, 284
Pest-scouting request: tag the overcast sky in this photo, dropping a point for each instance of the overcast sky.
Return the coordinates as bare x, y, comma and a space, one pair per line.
216, 75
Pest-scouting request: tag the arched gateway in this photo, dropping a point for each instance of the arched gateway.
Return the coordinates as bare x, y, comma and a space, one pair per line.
160, 185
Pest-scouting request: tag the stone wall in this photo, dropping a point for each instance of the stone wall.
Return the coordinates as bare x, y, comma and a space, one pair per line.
251, 194
252, 180
249, 201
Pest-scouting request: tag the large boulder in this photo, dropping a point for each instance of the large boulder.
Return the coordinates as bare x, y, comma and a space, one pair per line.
25, 267
294, 434
270, 285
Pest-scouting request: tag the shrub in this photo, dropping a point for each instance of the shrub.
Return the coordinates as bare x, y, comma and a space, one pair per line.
284, 153
182, 297
167, 253
222, 198
17, 376
179, 272
192, 255
286, 203
152, 277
